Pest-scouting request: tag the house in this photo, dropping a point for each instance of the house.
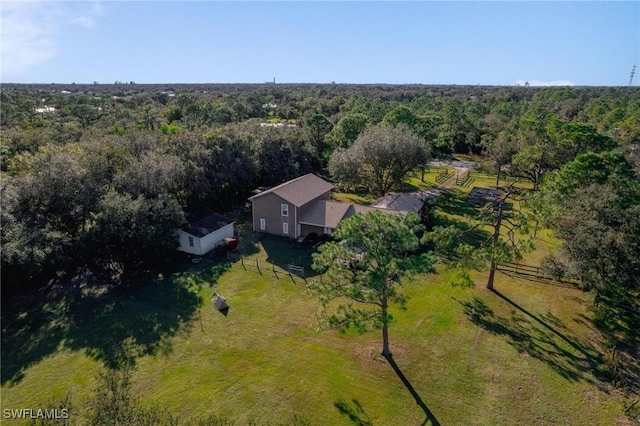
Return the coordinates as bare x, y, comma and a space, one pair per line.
278, 210
301, 207
204, 231
323, 217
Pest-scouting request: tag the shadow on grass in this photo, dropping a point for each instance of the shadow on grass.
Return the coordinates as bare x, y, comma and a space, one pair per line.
430, 419
284, 252
112, 325
542, 337
354, 411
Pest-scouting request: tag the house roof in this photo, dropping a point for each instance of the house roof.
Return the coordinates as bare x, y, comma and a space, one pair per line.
401, 201
330, 213
299, 191
325, 213
201, 221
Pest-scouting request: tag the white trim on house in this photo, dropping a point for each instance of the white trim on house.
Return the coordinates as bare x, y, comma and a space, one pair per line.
284, 210
285, 228
263, 224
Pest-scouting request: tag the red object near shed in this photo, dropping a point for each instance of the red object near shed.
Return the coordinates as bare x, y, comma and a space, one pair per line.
231, 244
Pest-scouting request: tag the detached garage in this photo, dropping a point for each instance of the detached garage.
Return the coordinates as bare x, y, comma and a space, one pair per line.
204, 231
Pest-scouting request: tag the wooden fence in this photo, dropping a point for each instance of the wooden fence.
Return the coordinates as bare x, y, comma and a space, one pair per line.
535, 272
269, 267
443, 176
464, 178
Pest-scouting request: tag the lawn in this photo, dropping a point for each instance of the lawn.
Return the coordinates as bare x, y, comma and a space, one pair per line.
525, 354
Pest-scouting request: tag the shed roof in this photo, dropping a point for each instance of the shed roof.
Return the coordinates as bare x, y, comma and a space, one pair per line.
330, 213
325, 213
401, 201
201, 221
299, 191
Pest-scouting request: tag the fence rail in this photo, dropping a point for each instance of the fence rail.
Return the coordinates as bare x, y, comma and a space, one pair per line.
536, 272
443, 176
464, 178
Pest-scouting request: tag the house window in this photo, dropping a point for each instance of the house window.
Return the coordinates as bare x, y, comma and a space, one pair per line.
263, 224
285, 228
190, 241
284, 209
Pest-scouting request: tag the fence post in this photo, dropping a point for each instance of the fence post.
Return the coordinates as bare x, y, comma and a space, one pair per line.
258, 266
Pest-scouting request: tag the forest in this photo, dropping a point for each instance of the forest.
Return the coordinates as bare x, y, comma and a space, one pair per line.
95, 178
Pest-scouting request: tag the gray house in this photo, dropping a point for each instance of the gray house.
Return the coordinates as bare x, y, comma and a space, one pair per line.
302, 206
278, 210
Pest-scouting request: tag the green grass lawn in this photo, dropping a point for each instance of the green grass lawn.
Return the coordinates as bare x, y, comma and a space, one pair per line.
526, 354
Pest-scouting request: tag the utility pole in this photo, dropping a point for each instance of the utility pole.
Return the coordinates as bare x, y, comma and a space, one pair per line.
633, 72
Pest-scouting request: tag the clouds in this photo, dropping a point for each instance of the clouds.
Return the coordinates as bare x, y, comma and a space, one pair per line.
544, 83
30, 30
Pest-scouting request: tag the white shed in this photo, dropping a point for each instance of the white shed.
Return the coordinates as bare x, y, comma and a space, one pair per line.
204, 231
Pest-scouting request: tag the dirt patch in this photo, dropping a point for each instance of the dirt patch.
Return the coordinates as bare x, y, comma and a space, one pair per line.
371, 352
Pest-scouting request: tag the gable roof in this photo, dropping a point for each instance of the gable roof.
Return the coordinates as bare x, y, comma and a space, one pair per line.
201, 221
401, 201
299, 191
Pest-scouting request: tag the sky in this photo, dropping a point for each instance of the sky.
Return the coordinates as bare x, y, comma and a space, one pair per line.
592, 43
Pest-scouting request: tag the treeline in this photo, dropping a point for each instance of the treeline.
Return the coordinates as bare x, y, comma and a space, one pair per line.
97, 176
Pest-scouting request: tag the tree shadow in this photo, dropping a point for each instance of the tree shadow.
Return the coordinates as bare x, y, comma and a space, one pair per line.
431, 418
542, 337
354, 411
113, 325
283, 252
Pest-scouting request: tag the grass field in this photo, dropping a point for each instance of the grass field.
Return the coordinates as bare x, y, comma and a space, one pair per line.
526, 354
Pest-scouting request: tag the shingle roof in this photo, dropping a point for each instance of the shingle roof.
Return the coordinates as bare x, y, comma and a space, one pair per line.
357, 208
330, 213
202, 221
325, 213
299, 191
400, 201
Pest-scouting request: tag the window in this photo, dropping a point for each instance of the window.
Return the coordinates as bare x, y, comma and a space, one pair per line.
263, 224
285, 228
284, 209
190, 241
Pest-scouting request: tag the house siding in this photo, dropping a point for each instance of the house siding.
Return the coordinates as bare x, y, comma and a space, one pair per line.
268, 207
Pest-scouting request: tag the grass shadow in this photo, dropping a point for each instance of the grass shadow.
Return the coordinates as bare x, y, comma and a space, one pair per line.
542, 337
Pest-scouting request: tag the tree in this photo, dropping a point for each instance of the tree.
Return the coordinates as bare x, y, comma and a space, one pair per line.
126, 231
593, 204
367, 269
507, 242
383, 156
499, 150
347, 130
318, 125
538, 152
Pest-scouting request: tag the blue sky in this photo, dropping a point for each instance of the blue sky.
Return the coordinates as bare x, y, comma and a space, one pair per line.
492, 43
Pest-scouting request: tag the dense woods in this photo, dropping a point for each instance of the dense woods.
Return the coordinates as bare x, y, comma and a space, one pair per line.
97, 176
